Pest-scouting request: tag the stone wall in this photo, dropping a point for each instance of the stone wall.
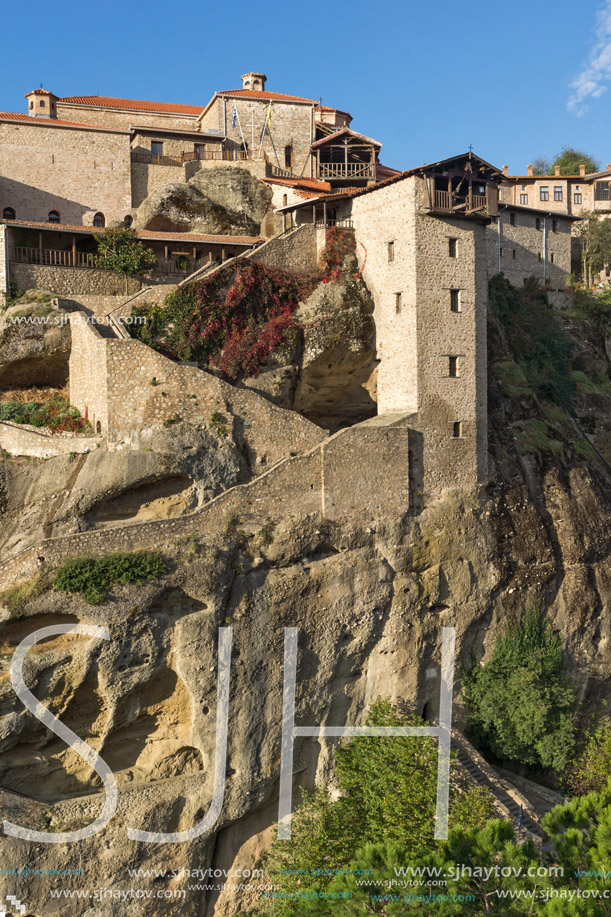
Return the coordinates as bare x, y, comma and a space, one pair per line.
522, 248
292, 124
76, 172
72, 281
320, 481
405, 258
123, 119
22, 439
296, 251
146, 177
88, 373
4, 267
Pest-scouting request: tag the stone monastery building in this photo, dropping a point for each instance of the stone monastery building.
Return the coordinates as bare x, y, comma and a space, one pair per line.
427, 239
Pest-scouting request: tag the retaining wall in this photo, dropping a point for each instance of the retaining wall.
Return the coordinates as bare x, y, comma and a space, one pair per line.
23, 439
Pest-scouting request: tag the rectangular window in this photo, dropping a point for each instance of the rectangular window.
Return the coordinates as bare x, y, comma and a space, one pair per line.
156, 148
513, 254
398, 303
537, 223
557, 192
544, 193
577, 197
391, 251
457, 429
551, 257
455, 301
198, 149
602, 191
501, 253
554, 225
524, 199
452, 248
512, 219
453, 367
540, 256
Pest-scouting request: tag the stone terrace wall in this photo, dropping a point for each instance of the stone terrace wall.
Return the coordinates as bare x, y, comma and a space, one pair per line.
321, 481
22, 439
522, 249
3, 262
296, 251
88, 373
72, 281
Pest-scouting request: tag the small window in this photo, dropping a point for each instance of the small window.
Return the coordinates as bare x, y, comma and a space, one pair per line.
156, 147
457, 429
513, 254
8, 213
557, 192
288, 156
540, 256
512, 219
199, 149
523, 187
537, 223
544, 193
391, 251
99, 220
453, 367
554, 225
128, 220
455, 301
31, 105
98, 427
452, 248
285, 200
398, 303
500, 253
42, 103
577, 198
524, 199
551, 257
54, 216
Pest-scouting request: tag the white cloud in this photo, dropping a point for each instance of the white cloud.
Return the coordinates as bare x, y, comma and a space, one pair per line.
590, 82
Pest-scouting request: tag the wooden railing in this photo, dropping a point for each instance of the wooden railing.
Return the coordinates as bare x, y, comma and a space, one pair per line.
444, 201
478, 202
22, 254
153, 159
327, 170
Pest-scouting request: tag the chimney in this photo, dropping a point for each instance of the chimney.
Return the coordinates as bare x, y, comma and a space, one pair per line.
505, 170
556, 170
529, 169
582, 169
609, 167
255, 81
41, 103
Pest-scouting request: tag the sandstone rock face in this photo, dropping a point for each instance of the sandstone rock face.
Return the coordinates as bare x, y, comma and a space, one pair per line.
36, 352
223, 201
327, 371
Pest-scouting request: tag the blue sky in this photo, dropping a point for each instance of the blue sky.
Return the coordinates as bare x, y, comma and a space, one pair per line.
517, 80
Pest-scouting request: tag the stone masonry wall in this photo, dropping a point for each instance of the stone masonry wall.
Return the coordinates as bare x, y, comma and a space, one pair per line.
73, 171
4, 266
88, 373
124, 119
72, 281
292, 124
22, 439
146, 177
296, 252
317, 482
522, 249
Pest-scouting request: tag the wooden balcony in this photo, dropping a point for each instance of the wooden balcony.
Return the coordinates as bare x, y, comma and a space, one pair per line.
341, 171
468, 204
21, 254
152, 159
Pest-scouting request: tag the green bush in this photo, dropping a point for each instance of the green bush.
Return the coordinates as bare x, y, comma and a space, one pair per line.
520, 705
92, 577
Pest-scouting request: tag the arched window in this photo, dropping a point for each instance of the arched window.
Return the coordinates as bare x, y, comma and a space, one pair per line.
8, 213
285, 200
128, 220
54, 216
288, 157
31, 104
98, 427
99, 219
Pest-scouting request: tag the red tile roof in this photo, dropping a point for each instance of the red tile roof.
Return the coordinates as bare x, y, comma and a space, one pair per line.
57, 122
338, 110
133, 104
264, 94
40, 92
313, 184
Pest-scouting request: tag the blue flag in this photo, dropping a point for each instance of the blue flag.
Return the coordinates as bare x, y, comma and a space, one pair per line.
234, 119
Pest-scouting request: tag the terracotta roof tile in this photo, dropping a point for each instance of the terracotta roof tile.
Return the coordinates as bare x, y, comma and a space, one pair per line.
264, 94
133, 104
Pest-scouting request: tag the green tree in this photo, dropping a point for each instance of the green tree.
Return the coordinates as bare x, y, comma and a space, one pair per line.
120, 251
594, 240
388, 791
570, 159
590, 771
541, 166
520, 704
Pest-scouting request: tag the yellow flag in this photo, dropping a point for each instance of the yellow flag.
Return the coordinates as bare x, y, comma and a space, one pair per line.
269, 115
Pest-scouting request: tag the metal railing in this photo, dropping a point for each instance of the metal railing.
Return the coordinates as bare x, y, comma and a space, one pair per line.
340, 224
